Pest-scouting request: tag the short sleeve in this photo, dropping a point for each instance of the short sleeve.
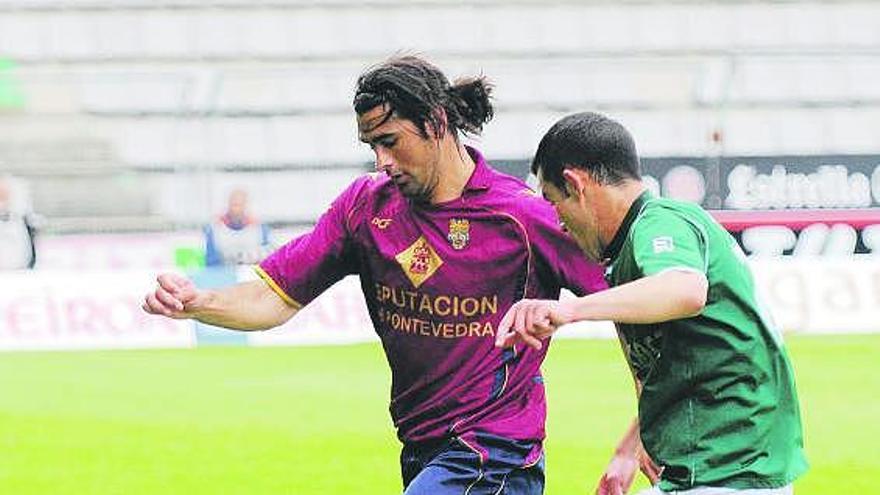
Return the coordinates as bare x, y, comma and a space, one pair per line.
664, 239
302, 269
559, 257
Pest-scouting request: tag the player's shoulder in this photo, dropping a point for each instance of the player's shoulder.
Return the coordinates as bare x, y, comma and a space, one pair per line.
667, 214
369, 183
367, 195
513, 196
367, 188
660, 207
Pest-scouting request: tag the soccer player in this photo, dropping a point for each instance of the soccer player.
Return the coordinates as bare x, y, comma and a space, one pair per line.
717, 407
443, 245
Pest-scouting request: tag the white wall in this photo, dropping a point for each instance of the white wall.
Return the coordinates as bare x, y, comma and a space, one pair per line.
184, 84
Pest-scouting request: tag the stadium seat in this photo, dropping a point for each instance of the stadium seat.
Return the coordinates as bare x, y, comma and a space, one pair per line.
185, 84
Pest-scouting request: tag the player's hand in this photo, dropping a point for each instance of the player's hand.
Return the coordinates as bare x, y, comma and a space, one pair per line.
530, 321
175, 297
618, 475
649, 468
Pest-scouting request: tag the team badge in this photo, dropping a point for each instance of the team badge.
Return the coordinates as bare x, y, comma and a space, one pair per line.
459, 233
419, 261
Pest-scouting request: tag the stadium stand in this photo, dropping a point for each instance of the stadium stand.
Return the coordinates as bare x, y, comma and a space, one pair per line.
188, 96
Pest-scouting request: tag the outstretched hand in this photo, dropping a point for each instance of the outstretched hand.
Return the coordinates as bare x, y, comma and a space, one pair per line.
648, 467
530, 321
618, 476
175, 297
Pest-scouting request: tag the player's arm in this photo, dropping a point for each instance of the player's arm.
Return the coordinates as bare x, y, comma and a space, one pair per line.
621, 470
292, 276
246, 306
629, 455
669, 295
670, 251
671, 254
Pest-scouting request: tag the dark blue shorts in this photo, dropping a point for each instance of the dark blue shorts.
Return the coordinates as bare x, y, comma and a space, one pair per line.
451, 467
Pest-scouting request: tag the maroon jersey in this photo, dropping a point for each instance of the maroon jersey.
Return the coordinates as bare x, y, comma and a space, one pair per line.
438, 279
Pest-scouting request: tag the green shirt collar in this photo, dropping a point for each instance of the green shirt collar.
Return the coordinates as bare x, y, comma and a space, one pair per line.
613, 249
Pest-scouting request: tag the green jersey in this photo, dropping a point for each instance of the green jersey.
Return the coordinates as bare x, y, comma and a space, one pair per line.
718, 405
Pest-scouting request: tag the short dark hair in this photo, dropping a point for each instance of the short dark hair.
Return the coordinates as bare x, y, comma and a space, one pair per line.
587, 141
414, 89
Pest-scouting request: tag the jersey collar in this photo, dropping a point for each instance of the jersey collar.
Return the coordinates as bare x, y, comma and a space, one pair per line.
481, 177
480, 180
613, 249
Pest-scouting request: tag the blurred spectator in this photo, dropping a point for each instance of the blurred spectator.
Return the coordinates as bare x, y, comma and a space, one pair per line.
871, 238
236, 237
17, 251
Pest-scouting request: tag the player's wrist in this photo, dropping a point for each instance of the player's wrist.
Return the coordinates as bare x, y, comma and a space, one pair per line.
626, 452
566, 311
629, 446
202, 304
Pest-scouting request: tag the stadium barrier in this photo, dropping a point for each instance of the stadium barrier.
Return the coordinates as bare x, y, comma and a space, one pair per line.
44, 310
59, 309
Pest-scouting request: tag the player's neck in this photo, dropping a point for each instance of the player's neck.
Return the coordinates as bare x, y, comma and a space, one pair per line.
619, 200
456, 168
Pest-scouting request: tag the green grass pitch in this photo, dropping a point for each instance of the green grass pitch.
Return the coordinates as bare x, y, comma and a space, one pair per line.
314, 420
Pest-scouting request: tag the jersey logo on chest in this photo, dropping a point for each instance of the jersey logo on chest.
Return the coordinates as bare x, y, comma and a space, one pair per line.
381, 223
663, 244
419, 261
459, 233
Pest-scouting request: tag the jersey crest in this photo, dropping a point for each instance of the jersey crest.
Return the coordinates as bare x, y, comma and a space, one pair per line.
459, 233
419, 261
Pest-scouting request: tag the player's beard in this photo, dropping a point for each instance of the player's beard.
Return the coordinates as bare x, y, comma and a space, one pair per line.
410, 188
419, 191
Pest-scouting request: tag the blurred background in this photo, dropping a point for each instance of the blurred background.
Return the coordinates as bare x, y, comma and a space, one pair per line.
139, 135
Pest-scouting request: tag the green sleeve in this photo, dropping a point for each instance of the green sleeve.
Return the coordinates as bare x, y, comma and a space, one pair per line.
665, 239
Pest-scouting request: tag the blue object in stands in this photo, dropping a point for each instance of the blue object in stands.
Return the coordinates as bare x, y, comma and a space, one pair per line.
209, 334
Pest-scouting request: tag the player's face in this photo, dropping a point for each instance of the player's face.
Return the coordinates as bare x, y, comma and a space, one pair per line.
237, 207
576, 217
401, 152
